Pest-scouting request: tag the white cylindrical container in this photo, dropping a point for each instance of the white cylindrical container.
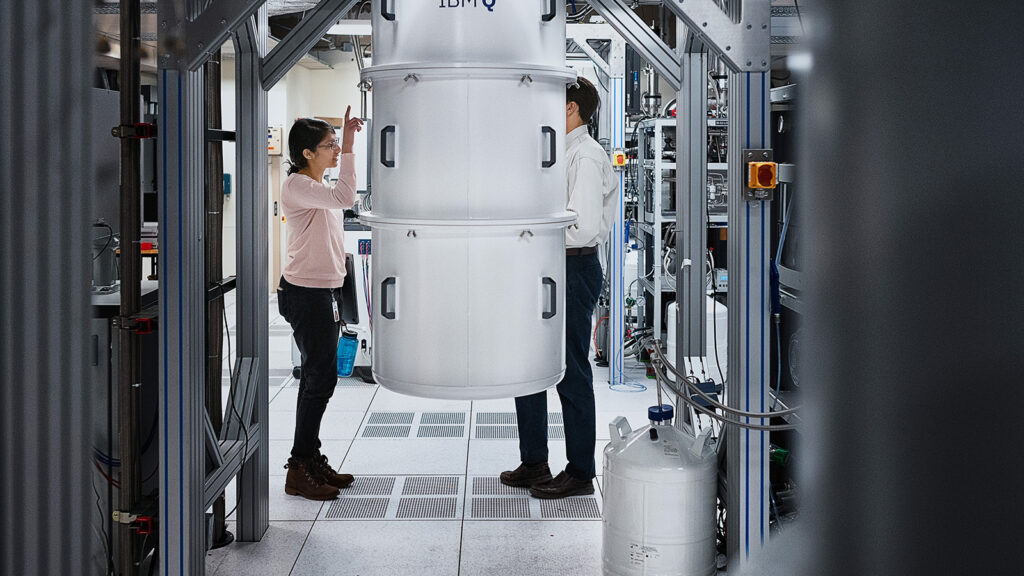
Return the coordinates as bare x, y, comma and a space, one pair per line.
716, 313
524, 32
467, 311
660, 488
468, 143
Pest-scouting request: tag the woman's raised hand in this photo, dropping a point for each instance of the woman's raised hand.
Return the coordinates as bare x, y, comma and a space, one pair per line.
352, 125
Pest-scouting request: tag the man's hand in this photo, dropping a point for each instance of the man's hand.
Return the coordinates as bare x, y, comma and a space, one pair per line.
349, 129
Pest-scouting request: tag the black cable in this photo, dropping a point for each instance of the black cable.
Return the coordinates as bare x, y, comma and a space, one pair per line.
231, 400
724, 419
110, 237
796, 5
106, 539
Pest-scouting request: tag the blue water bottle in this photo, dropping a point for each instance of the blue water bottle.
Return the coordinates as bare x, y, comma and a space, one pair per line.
346, 352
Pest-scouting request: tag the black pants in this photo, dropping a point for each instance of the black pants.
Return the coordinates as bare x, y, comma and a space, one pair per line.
311, 315
583, 279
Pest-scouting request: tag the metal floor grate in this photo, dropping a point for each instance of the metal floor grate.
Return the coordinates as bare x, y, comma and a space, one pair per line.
435, 508
578, 508
391, 417
496, 432
496, 418
451, 418
500, 508
358, 508
492, 486
440, 431
431, 486
554, 418
371, 486
386, 431
512, 432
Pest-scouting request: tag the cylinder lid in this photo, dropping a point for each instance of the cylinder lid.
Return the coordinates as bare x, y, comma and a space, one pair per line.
661, 413
559, 220
345, 332
477, 69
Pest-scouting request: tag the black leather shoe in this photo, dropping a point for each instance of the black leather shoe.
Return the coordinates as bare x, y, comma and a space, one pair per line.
526, 475
562, 486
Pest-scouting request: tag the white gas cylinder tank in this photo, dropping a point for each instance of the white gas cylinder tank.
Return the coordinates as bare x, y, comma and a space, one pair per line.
660, 488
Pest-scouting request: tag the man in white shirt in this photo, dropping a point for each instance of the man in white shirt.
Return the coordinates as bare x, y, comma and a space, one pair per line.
593, 196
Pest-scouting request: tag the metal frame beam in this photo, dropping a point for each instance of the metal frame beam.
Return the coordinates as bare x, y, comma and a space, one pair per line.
742, 39
749, 359
603, 69
187, 31
253, 302
301, 39
613, 114
641, 38
182, 307
213, 27
691, 207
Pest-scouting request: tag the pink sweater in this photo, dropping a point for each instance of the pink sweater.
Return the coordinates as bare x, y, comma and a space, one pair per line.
315, 216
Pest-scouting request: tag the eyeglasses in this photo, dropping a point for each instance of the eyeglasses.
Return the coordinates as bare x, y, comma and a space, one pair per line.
331, 144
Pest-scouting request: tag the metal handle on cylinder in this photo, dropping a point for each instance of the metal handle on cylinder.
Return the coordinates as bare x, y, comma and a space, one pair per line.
619, 429
390, 16
388, 297
552, 304
552, 146
384, 139
551, 13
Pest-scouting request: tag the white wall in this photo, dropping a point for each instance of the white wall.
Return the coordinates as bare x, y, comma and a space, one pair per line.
301, 93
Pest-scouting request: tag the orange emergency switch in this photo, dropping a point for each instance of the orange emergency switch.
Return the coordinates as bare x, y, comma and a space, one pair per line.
618, 159
762, 175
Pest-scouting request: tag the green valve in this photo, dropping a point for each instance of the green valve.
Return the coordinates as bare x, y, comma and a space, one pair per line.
779, 455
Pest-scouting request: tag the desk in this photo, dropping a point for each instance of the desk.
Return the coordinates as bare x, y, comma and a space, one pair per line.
153, 255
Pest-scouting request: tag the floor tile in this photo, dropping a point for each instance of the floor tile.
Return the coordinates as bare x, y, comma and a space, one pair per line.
334, 426
499, 548
388, 401
380, 548
491, 457
274, 555
406, 456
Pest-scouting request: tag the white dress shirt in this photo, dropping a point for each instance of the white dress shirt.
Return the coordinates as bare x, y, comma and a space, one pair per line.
593, 190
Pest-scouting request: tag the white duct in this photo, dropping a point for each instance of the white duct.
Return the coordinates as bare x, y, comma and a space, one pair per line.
469, 196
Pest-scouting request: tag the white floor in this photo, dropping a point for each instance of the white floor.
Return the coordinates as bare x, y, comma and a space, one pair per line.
426, 500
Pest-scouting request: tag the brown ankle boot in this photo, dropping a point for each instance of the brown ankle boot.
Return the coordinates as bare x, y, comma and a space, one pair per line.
303, 480
330, 475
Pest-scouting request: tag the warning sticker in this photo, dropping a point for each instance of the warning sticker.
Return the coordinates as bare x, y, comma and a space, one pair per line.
640, 554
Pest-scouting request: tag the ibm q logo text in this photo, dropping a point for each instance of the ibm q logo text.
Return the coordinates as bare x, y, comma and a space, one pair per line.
489, 4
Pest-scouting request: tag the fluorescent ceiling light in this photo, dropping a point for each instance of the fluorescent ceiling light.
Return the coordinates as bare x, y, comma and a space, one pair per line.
351, 27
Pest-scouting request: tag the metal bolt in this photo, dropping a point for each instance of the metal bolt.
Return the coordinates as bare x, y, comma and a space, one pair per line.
749, 26
705, 25
764, 63
223, 22
764, 26
764, 155
163, 24
727, 48
199, 45
748, 63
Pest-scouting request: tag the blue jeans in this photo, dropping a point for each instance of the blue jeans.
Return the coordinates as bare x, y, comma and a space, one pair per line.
583, 279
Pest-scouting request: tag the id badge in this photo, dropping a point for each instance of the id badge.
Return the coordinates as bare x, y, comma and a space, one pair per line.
334, 306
